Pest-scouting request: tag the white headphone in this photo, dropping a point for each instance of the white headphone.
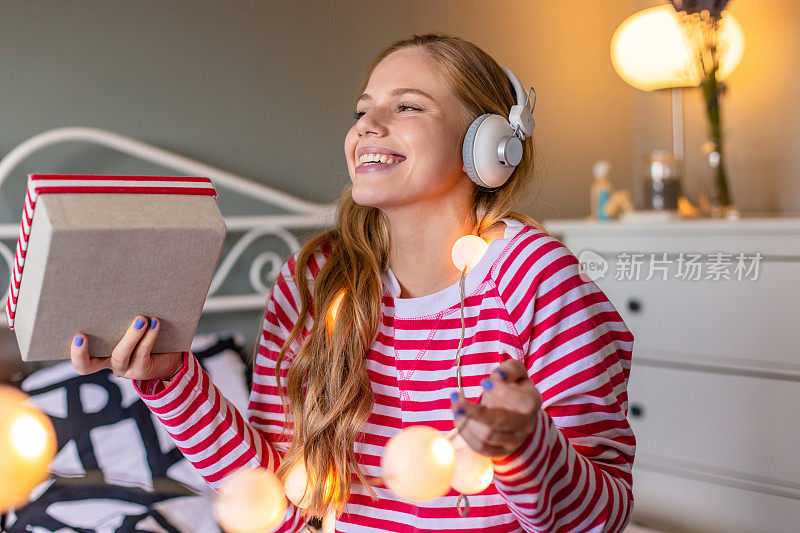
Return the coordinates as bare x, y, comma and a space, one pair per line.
492, 146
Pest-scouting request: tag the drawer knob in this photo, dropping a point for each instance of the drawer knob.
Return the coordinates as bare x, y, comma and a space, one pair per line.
637, 411
634, 305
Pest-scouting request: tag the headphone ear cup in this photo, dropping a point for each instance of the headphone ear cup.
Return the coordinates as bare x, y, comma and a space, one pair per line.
481, 151
468, 150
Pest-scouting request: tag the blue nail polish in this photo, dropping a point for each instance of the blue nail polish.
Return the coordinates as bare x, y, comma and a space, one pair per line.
139, 323
486, 384
454, 397
460, 412
502, 374
153, 323
78, 341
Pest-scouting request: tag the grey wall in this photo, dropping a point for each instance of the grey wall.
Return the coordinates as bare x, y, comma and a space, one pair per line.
266, 89
262, 89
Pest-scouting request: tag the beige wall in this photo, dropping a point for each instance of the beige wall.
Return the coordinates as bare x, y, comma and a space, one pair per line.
761, 117
583, 109
585, 112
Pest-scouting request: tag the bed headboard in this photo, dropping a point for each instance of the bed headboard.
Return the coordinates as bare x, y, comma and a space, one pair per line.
245, 233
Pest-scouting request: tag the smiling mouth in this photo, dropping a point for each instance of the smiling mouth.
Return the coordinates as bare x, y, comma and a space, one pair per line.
378, 158
378, 166
388, 163
377, 161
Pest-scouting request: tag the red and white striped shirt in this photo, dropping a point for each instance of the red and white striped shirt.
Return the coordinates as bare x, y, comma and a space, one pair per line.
524, 300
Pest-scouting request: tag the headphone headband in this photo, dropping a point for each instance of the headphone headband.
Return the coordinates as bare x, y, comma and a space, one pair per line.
520, 116
493, 146
518, 88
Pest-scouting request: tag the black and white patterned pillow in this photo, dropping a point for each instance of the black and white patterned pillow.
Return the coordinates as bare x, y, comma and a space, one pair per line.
116, 468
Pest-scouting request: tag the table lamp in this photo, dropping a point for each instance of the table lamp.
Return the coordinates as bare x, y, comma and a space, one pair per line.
655, 49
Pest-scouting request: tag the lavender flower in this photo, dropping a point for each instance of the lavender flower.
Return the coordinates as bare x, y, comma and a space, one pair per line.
714, 7
700, 21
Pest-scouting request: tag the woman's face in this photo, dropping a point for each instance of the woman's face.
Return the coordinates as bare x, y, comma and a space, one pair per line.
409, 114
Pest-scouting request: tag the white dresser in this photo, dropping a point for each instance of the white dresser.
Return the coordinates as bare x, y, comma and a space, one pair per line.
714, 389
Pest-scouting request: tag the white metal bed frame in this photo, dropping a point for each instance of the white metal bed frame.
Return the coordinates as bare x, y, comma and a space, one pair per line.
302, 214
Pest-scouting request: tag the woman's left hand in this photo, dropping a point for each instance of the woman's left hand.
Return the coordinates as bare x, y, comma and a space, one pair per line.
506, 416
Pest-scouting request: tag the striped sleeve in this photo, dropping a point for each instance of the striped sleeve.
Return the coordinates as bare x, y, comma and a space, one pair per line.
265, 410
209, 430
574, 472
205, 426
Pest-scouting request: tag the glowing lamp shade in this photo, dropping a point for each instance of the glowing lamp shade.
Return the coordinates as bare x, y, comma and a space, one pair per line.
473, 472
418, 464
650, 50
468, 251
27, 445
250, 501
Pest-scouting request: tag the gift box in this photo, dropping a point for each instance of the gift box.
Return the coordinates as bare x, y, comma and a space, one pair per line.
96, 251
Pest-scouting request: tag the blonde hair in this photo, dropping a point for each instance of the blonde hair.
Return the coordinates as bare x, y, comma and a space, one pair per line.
328, 388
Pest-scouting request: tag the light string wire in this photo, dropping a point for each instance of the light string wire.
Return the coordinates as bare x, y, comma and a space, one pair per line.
462, 503
461, 340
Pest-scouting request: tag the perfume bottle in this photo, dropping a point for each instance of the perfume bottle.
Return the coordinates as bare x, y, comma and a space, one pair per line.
600, 190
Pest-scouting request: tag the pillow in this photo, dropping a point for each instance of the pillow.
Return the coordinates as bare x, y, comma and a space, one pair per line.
116, 467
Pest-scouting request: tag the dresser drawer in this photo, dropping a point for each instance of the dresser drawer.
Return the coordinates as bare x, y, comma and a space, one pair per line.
750, 322
686, 504
740, 427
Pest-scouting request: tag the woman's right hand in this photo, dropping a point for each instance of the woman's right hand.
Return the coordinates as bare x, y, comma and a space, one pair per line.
131, 358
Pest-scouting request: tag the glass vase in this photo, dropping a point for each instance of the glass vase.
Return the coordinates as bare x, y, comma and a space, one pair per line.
716, 200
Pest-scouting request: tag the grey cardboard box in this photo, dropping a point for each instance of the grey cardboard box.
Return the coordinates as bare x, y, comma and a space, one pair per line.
97, 260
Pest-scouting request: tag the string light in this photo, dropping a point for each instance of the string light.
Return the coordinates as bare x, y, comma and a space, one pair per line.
466, 254
468, 251
27, 445
334, 311
473, 472
418, 464
250, 501
296, 485
329, 521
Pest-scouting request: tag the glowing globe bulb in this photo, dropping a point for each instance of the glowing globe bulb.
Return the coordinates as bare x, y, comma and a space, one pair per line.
299, 488
473, 472
333, 311
27, 445
28, 436
418, 464
468, 251
250, 501
296, 485
329, 521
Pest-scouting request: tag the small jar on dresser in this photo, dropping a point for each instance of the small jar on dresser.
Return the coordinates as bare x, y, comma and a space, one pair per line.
714, 387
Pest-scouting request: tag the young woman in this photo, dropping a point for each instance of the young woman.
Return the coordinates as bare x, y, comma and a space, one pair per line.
544, 359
